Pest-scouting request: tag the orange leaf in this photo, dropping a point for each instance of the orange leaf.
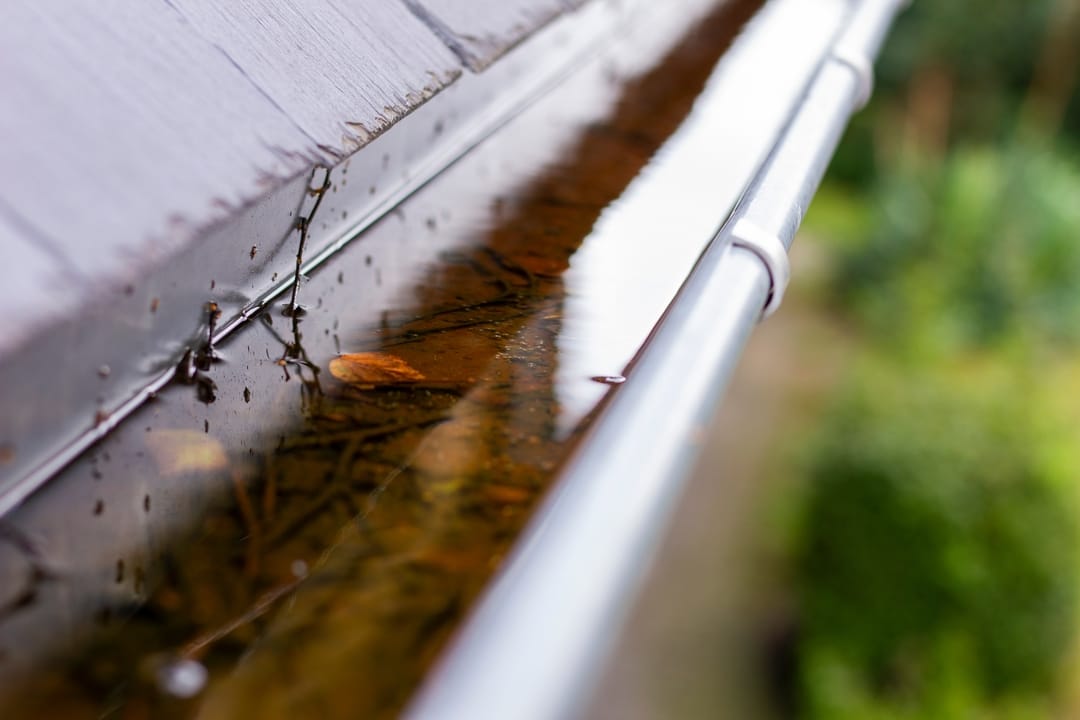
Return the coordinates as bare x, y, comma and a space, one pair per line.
372, 368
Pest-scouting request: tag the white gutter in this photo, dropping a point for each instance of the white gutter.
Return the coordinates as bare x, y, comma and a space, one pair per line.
538, 638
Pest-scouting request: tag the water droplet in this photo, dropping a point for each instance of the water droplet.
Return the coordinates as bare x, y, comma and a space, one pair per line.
609, 379
182, 678
299, 568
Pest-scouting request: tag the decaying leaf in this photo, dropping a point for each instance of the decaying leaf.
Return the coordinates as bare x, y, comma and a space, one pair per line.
178, 452
372, 368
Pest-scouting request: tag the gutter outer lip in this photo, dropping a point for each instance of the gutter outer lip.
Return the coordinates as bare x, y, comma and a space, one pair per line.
539, 636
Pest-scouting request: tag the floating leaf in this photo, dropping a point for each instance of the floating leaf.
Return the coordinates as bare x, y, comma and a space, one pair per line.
178, 452
372, 368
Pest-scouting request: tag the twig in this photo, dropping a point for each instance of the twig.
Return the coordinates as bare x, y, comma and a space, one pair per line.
303, 224
261, 606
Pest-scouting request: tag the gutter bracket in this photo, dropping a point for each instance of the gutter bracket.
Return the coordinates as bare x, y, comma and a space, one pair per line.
770, 250
846, 54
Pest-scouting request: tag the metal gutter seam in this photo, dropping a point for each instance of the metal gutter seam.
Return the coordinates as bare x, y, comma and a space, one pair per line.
541, 633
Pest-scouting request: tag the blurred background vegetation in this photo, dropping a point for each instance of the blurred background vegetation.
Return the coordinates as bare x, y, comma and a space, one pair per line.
934, 541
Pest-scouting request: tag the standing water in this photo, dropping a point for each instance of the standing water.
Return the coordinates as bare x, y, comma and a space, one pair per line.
301, 532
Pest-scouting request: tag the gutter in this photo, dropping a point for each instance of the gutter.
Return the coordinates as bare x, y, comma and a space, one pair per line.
539, 637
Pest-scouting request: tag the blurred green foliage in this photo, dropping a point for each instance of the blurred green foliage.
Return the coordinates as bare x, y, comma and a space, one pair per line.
975, 252
936, 560
989, 48
937, 553
983, 56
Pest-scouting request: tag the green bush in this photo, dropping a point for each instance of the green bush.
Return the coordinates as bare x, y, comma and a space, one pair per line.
986, 52
978, 252
937, 552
